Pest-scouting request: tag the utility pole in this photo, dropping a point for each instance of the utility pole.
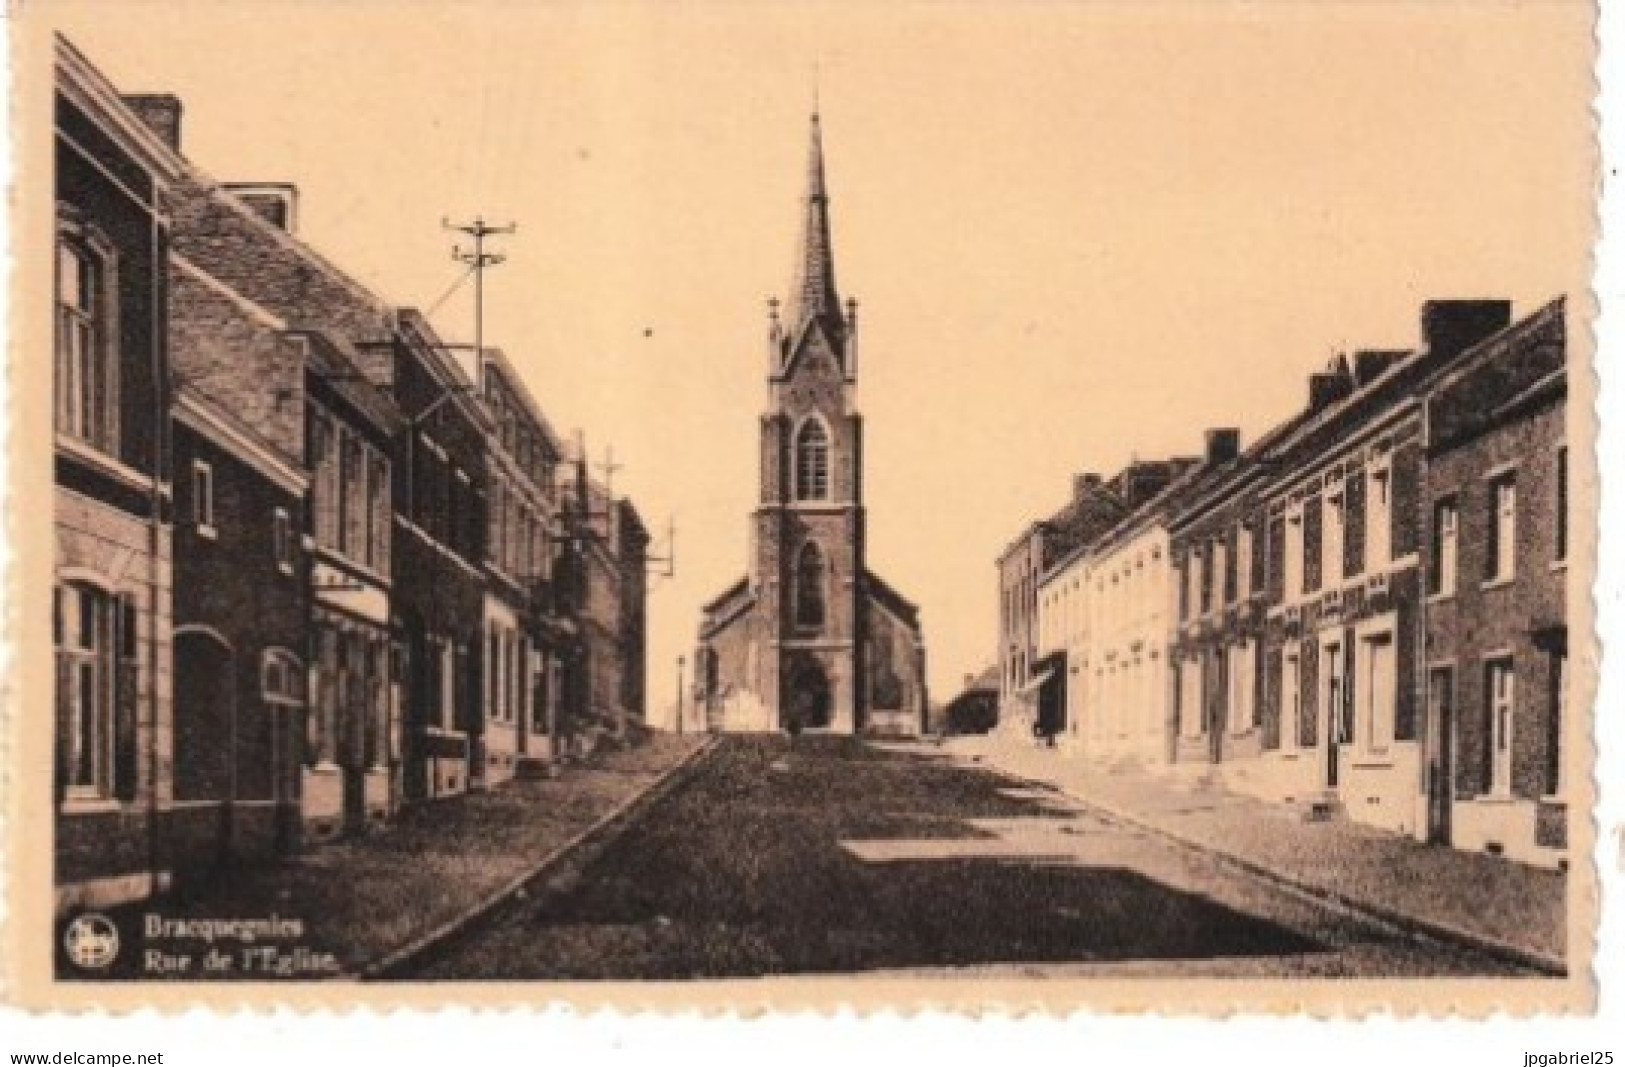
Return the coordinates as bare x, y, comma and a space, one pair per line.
680, 661
478, 259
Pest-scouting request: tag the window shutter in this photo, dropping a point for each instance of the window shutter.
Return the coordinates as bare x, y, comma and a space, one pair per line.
64, 711
126, 703
1311, 544
1354, 505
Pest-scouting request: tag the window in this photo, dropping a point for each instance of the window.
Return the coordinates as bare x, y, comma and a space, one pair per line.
448, 684
1501, 552
203, 497
1378, 519
1442, 567
86, 367
1224, 576
1498, 690
379, 511
1243, 708
1190, 698
1333, 518
282, 544
1292, 561
325, 488
1291, 698
282, 678
1244, 561
89, 683
810, 586
353, 499
1378, 682
812, 461
1561, 551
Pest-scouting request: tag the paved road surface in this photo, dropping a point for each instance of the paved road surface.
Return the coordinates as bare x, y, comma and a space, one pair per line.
839, 856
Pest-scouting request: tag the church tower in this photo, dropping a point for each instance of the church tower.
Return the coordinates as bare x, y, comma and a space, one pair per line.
809, 521
810, 637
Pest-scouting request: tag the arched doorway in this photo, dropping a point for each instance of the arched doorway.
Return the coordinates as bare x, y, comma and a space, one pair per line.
807, 699
206, 734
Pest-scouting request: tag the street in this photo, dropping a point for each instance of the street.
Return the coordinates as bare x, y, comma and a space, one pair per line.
836, 856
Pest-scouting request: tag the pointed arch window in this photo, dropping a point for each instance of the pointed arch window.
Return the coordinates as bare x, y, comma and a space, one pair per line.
812, 461
810, 572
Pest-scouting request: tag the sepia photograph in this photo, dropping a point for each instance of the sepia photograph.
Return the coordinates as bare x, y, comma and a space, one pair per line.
905, 505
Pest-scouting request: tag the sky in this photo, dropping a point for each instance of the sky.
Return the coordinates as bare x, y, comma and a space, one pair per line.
1079, 233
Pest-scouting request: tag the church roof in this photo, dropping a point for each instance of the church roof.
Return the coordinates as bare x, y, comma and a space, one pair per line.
891, 599
812, 287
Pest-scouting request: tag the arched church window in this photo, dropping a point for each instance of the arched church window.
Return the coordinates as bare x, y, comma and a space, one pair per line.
810, 586
812, 461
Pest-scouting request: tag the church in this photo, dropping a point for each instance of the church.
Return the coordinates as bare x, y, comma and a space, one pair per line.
811, 638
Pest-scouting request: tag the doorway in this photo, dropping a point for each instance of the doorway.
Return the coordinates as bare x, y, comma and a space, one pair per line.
1332, 713
807, 700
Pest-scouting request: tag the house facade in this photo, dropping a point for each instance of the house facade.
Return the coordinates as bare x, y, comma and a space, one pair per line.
113, 791
441, 540
1105, 608
1497, 514
242, 576
1031, 678
526, 639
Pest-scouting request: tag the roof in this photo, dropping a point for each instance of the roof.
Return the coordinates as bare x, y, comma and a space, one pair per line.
891, 599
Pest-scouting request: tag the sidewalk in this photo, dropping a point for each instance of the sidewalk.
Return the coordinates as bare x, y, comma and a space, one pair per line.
1493, 904
367, 899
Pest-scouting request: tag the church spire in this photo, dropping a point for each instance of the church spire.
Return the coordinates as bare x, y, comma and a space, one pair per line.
812, 287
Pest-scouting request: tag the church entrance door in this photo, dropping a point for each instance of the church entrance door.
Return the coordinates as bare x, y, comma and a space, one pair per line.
807, 701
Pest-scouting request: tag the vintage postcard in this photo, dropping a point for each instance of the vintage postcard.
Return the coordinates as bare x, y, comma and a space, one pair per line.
756, 506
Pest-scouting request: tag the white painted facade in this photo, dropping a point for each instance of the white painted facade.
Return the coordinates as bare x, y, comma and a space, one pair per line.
1108, 609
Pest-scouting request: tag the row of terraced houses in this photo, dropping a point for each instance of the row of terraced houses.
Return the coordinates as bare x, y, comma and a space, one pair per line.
312, 561
1362, 614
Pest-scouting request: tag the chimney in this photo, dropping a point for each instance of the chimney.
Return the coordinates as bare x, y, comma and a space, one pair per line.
275, 202
1083, 484
1452, 326
1370, 363
1223, 445
160, 113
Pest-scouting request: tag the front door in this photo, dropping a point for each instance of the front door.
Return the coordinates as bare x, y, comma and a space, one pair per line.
807, 704
1441, 768
1332, 717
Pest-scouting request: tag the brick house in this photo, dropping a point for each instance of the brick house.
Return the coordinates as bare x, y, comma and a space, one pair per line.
112, 795
1495, 508
242, 578
239, 237
526, 634
1315, 702
604, 564
1094, 508
441, 543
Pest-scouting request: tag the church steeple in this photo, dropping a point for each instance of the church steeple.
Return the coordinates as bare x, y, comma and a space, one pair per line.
812, 287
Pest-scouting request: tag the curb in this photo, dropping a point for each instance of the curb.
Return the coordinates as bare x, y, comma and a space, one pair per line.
1411, 925
417, 950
